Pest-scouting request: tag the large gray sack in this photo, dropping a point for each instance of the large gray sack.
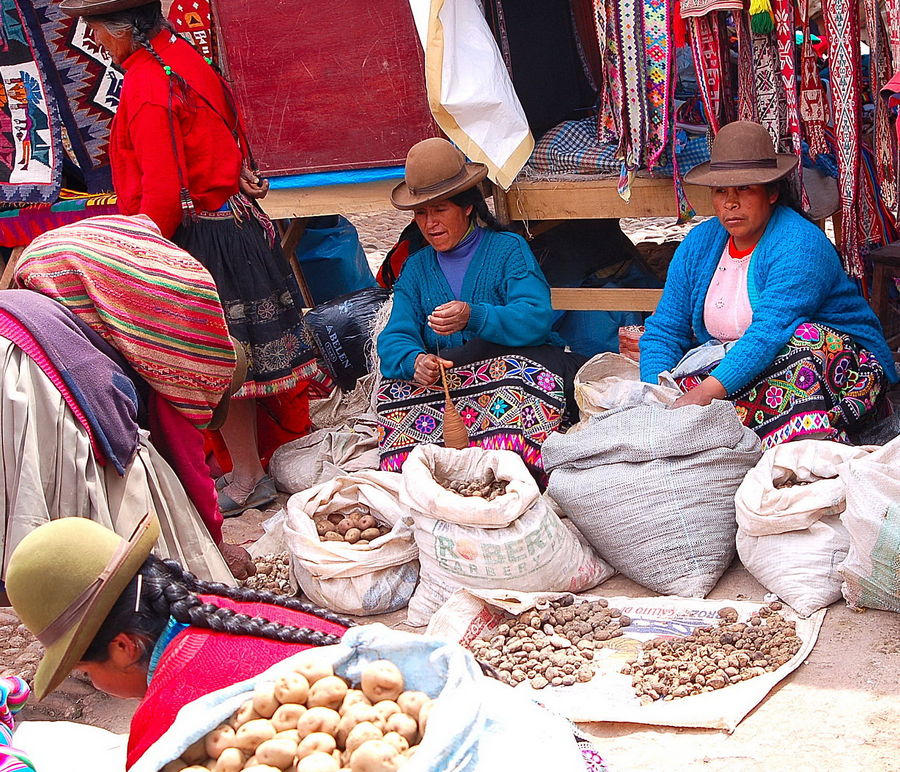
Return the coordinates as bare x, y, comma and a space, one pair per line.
652, 489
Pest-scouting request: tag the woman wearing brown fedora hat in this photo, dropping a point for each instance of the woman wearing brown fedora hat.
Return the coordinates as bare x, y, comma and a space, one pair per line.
180, 155
473, 299
145, 628
785, 335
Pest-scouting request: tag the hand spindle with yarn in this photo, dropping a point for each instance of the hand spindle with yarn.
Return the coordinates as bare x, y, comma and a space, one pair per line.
455, 434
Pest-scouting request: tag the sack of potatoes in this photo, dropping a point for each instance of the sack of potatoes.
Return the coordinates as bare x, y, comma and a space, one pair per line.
311, 720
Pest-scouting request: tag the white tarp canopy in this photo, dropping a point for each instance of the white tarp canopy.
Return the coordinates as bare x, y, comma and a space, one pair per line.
469, 90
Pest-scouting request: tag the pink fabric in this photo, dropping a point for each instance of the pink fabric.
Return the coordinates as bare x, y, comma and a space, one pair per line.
181, 444
727, 313
14, 331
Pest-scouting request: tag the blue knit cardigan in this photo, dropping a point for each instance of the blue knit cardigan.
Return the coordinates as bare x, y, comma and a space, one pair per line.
507, 292
795, 276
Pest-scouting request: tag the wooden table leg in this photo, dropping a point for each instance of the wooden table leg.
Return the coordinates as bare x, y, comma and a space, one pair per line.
10, 268
290, 238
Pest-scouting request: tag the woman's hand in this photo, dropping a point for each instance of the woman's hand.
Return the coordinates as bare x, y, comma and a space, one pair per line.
710, 389
450, 317
252, 185
428, 368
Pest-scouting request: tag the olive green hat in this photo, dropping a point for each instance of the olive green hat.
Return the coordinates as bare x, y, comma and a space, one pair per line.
64, 578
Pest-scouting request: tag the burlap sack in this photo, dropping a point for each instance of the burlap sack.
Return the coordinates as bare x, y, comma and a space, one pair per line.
652, 489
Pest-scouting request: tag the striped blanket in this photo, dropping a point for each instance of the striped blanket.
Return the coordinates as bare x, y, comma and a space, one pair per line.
151, 300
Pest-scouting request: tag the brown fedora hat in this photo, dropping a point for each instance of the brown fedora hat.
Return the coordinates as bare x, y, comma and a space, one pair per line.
435, 169
742, 154
63, 580
98, 7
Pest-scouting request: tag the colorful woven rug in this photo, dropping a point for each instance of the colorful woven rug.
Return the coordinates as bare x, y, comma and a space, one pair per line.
18, 227
660, 81
785, 27
880, 71
706, 48
746, 80
86, 86
842, 25
507, 403
813, 107
766, 86
30, 140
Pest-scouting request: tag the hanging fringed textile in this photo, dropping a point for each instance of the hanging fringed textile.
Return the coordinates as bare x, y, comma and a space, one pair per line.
706, 50
813, 107
609, 118
765, 81
658, 54
842, 25
762, 21
880, 72
785, 24
746, 81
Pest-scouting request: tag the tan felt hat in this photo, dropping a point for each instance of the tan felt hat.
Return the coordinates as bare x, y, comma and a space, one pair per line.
742, 154
64, 578
435, 169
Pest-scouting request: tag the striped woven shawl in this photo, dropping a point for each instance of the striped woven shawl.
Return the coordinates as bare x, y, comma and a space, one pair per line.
149, 299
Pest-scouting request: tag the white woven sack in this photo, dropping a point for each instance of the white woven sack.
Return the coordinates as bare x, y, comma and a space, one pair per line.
374, 579
652, 490
764, 507
515, 542
800, 567
872, 517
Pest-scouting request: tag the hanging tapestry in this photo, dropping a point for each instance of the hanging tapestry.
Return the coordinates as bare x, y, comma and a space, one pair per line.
765, 86
746, 81
659, 57
86, 85
30, 140
785, 26
842, 25
609, 118
691, 8
880, 72
813, 107
192, 19
706, 50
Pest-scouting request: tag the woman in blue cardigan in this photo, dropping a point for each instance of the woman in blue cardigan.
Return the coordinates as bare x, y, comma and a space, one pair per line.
475, 302
782, 331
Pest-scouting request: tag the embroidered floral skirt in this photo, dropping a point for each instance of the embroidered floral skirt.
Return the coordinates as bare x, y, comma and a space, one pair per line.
259, 295
821, 385
507, 403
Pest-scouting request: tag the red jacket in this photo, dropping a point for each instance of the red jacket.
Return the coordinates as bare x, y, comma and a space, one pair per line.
142, 153
199, 661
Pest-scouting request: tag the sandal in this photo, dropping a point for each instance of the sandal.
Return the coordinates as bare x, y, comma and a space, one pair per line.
262, 493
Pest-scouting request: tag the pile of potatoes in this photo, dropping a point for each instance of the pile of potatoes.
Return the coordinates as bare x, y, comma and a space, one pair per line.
357, 528
487, 488
273, 573
310, 720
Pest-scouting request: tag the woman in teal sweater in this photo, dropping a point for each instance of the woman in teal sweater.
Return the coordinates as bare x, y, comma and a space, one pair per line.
475, 302
784, 334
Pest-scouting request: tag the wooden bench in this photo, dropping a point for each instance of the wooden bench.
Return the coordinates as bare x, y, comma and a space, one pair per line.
599, 299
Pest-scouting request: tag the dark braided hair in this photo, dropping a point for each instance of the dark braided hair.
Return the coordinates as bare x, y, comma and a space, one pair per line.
475, 198
168, 590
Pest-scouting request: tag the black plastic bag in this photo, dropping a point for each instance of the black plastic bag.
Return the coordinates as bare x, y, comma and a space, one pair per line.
340, 330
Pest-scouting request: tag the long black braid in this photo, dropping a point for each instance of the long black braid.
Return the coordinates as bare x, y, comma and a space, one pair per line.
168, 590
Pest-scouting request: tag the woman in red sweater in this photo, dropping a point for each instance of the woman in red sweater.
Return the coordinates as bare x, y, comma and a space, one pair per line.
179, 154
145, 628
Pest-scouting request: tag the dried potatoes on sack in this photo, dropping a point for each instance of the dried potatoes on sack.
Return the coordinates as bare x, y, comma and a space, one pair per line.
714, 657
552, 644
488, 487
272, 574
327, 726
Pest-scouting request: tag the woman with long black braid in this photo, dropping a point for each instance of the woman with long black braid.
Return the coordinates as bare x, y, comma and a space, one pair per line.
146, 628
179, 154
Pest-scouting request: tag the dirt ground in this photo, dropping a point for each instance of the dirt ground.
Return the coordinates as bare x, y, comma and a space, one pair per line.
839, 711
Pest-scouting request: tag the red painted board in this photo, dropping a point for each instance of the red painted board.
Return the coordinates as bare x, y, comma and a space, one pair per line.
326, 84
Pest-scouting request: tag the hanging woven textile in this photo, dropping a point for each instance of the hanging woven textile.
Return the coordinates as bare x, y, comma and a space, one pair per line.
765, 84
785, 24
746, 81
658, 53
706, 50
893, 14
880, 72
609, 118
813, 107
842, 25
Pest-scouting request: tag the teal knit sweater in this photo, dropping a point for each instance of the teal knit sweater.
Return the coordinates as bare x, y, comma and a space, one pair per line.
508, 294
795, 276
